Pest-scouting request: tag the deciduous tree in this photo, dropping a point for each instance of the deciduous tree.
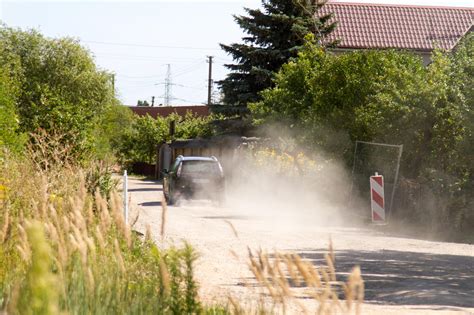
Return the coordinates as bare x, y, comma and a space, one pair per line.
60, 87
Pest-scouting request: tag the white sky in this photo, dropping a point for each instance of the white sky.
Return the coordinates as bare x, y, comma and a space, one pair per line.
136, 40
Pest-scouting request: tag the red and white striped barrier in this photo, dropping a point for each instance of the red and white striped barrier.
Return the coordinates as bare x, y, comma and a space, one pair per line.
377, 199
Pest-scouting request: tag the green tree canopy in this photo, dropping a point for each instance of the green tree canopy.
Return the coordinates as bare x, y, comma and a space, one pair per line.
324, 97
60, 88
139, 143
384, 96
115, 123
275, 34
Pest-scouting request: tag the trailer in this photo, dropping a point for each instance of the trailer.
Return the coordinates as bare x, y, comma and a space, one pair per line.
225, 148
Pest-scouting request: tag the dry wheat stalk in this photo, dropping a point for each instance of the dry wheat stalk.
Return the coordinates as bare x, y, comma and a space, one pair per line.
5, 232
148, 234
119, 257
165, 276
164, 209
234, 230
321, 282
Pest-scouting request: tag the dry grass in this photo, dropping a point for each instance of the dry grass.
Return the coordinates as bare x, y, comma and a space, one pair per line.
164, 209
287, 283
234, 230
286, 280
66, 250
53, 231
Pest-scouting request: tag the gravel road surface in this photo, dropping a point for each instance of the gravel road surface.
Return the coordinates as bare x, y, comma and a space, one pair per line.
402, 275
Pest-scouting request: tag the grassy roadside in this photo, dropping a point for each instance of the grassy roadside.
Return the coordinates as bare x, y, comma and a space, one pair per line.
66, 250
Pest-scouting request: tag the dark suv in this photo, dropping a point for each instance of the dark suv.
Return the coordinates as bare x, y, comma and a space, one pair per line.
194, 176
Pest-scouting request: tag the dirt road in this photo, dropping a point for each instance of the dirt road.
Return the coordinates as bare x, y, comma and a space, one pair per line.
402, 275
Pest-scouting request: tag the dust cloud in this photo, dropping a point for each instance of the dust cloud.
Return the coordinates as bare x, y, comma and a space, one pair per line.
289, 190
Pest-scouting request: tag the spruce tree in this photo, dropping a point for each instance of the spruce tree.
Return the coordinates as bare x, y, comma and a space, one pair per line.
275, 34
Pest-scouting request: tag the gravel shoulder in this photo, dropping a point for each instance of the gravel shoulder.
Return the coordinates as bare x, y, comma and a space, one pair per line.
402, 275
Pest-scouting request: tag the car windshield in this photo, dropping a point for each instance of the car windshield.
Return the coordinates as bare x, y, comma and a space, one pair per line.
201, 167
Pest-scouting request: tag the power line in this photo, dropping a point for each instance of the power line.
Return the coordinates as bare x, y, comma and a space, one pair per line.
188, 101
144, 84
145, 58
127, 87
184, 100
224, 59
192, 87
197, 62
139, 80
190, 69
151, 46
181, 85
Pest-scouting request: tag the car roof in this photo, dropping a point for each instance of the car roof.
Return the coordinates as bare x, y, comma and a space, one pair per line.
197, 158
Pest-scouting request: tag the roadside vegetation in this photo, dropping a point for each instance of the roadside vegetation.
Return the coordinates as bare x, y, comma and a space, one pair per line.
286, 277
297, 88
67, 250
326, 102
64, 246
139, 141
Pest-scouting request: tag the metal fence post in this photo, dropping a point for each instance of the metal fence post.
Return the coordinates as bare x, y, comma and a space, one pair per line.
395, 181
125, 197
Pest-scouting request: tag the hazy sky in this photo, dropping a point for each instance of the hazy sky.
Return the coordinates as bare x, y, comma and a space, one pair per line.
137, 40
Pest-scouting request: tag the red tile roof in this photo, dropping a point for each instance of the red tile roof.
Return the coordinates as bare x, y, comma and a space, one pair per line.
164, 111
422, 28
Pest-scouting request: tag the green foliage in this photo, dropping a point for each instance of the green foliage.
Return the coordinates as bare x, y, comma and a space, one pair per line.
115, 124
10, 138
190, 126
274, 34
99, 179
140, 143
328, 101
60, 88
142, 103
78, 257
463, 77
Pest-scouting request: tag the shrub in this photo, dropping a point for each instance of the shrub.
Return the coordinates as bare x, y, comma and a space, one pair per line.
140, 143
60, 89
328, 101
10, 138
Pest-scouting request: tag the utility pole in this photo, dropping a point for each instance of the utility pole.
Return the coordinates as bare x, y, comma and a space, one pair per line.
168, 86
209, 87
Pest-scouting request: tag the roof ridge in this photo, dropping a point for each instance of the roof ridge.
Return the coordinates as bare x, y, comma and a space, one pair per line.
398, 5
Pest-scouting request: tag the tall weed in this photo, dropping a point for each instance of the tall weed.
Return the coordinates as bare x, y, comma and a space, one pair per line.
67, 250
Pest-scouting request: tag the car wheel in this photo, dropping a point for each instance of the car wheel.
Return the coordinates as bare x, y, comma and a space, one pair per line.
219, 199
171, 198
168, 198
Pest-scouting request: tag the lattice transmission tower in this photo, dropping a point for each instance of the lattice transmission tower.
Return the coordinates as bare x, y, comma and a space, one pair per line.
168, 85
